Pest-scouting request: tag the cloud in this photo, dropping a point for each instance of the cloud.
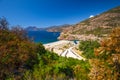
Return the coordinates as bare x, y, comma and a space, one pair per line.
91, 16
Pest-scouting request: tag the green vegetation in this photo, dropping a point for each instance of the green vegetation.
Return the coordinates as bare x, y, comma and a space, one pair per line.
88, 48
85, 22
98, 31
52, 67
17, 53
107, 63
65, 35
104, 58
21, 59
114, 10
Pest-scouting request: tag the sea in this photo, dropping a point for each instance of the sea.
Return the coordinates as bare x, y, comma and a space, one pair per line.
43, 37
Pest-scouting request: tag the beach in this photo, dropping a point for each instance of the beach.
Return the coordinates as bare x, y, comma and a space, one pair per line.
64, 48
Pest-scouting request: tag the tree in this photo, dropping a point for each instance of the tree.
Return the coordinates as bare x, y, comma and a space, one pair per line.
17, 53
19, 31
107, 65
3, 24
88, 48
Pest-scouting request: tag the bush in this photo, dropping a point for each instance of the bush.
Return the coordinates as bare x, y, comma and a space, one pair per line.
21, 59
107, 64
88, 48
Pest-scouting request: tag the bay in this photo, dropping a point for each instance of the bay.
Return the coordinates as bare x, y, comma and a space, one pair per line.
43, 36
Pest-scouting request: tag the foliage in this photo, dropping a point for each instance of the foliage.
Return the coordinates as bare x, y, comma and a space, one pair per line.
21, 59
19, 32
17, 52
14, 53
59, 68
99, 31
114, 10
88, 48
3, 24
107, 65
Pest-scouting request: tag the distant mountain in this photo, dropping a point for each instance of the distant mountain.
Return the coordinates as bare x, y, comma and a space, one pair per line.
33, 28
59, 28
93, 28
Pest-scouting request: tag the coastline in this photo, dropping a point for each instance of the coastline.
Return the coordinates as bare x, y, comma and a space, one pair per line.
57, 46
64, 48
56, 42
60, 41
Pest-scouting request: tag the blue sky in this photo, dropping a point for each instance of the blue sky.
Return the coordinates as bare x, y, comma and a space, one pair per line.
44, 13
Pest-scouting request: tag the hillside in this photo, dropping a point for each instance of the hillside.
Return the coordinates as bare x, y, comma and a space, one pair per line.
33, 28
93, 28
59, 28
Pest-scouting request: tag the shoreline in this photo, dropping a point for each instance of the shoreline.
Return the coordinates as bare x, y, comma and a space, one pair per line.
59, 46
56, 42
61, 41
64, 48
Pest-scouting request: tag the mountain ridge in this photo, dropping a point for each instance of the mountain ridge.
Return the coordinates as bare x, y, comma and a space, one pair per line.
58, 28
93, 28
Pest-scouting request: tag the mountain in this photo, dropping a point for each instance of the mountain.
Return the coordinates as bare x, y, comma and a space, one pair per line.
59, 28
33, 28
93, 28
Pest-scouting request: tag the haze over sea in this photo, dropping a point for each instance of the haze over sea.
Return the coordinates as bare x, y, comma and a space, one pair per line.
43, 36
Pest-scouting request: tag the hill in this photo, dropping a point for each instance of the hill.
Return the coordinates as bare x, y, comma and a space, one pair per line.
94, 27
33, 28
59, 28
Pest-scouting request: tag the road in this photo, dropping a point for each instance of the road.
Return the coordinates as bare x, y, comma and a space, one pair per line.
70, 53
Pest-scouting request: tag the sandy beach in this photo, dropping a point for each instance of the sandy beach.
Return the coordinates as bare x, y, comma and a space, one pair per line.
60, 43
63, 48
58, 46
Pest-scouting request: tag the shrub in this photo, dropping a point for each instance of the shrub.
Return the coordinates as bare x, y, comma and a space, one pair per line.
88, 48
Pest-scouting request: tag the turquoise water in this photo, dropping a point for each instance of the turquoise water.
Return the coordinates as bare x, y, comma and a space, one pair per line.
43, 36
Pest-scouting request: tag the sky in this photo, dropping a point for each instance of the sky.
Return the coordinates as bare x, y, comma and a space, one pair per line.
45, 13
